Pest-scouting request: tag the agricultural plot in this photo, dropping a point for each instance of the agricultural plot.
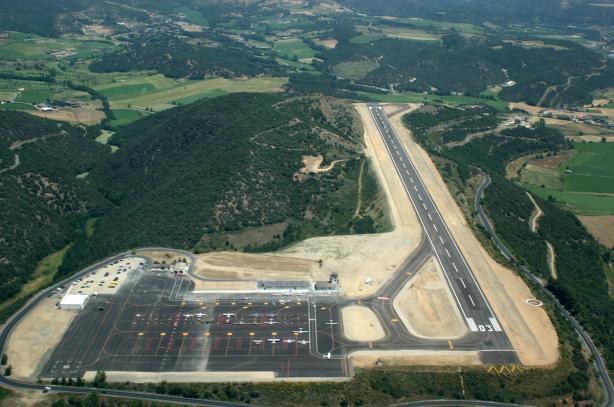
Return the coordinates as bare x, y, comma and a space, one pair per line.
373, 33
585, 181
355, 69
159, 92
121, 117
33, 47
294, 49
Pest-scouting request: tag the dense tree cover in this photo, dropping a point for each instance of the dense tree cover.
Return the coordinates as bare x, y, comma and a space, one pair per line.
418, 66
37, 16
499, 11
540, 74
42, 201
176, 58
217, 166
581, 284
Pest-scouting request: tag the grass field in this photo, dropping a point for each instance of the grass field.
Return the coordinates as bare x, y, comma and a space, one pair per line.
410, 97
372, 33
192, 16
294, 48
354, 69
33, 47
582, 204
362, 39
121, 117
17, 106
35, 95
588, 189
159, 92
593, 169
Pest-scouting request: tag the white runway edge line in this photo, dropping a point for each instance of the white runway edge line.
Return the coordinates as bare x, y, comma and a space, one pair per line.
379, 127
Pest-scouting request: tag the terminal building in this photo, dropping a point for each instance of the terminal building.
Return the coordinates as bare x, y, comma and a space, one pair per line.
74, 301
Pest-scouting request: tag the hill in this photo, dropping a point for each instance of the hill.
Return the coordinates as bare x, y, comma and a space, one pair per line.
199, 175
43, 202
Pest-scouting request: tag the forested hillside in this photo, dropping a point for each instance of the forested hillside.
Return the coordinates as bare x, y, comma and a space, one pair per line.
42, 201
177, 58
37, 16
200, 172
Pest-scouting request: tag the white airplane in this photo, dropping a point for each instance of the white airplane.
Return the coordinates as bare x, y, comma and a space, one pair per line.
289, 340
303, 342
229, 314
327, 355
199, 315
273, 340
383, 298
271, 322
257, 341
241, 322
188, 315
300, 331
271, 314
138, 315
332, 323
255, 314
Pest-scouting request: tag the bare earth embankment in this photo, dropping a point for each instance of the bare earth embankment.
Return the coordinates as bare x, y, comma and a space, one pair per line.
361, 324
32, 340
426, 306
528, 328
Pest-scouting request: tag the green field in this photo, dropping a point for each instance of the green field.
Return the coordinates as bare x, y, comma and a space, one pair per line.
159, 92
588, 189
121, 117
294, 49
363, 39
17, 106
582, 204
33, 47
355, 69
411, 97
192, 16
35, 95
593, 168
441, 25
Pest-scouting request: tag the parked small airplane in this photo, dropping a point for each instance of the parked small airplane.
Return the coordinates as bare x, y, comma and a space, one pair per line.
332, 323
255, 314
271, 314
229, 314
188, 315
327, 355
199, 315
257, 341
270, 322
303, 342
300, 331
241, 322
273, 340
289, 340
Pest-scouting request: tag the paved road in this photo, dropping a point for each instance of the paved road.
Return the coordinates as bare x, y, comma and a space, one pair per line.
600, 365
471, 301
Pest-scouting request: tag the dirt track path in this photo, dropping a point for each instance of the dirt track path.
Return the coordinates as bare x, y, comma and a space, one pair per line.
359, 200
538, 213
18, 144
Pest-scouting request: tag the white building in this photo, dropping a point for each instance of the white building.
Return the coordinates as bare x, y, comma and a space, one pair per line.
74, 301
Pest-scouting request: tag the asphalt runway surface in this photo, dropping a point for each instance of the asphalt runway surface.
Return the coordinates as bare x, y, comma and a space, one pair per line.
154, 323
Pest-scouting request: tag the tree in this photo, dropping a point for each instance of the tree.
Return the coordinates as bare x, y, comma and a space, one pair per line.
100, 379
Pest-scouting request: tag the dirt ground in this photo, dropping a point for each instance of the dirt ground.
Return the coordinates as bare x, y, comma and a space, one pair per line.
33, 339
73, 115
329, 43
361, 324
529, 328
601, 227
426, 307
414, 357
251, 267
183, 377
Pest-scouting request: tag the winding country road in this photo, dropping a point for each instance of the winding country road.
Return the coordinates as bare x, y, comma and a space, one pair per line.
602, 371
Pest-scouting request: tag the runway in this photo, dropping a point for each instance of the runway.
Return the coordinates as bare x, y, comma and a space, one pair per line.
155, 323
